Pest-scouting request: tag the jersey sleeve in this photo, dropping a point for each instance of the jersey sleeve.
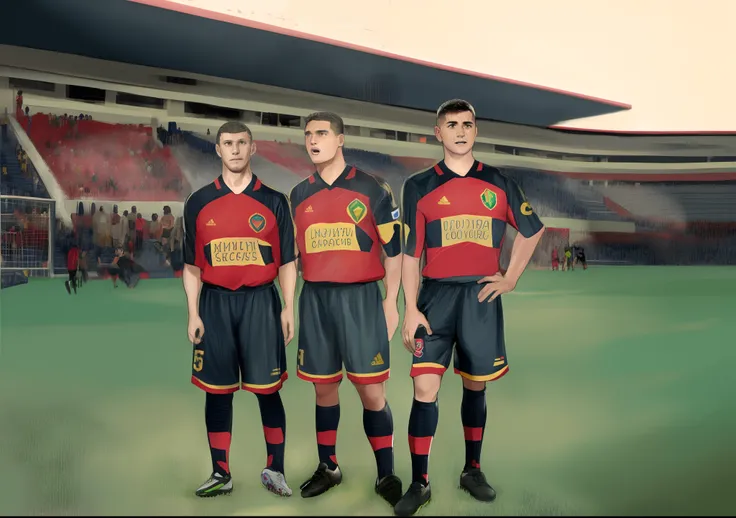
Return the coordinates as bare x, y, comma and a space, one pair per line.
285, 223
413, 222
519, 213
386, 214
190, 231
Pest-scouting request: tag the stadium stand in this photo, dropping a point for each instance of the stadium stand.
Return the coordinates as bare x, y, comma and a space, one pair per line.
96, 159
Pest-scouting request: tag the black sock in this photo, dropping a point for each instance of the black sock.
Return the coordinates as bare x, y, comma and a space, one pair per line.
274, 429
473, 415
379, 428
326, 420
422, 427
218, 416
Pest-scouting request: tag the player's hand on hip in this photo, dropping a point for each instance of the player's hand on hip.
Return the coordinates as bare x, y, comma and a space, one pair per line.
391, 311
195, 330
495, 285
412, 320
287, 324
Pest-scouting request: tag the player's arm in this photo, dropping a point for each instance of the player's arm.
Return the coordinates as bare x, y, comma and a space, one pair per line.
413, 227
191, 276
523, 218
386, 219
386, 213
287, 270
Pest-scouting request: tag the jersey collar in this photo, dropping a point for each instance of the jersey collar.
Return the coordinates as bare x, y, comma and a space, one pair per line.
347, 174
442, 169
254, 185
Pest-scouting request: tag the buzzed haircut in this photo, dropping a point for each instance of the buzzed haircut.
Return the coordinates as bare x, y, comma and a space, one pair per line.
233, 127
454, 106
336, 123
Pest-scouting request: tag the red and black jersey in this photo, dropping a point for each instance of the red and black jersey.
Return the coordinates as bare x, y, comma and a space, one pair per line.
72, 259
238, 239
461, 220
340, 228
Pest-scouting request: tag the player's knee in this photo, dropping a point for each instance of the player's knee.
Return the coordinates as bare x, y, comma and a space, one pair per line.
372, 396
476, 386
327, 394
426, 387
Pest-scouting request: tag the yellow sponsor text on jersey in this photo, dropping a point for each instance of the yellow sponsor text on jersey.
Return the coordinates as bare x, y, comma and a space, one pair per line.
330, 237
467, 228
237, 251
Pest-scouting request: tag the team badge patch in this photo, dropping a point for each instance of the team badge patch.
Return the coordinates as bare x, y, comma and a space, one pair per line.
357, 211
526, 209
257, 222
418, 347
489, 199
395, 214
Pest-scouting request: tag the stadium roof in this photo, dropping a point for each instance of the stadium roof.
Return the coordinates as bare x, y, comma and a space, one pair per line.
191, 40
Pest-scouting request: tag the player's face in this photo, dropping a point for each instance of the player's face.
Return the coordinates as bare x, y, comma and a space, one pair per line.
235, 149
457, 132
321, 141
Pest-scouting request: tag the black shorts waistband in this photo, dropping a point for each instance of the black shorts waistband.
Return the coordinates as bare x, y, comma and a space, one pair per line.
325, 284
242, 289
453, 280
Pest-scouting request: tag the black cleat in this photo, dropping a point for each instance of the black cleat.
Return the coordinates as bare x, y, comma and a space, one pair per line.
322, 480
417, 496
68, 287
474, 482
217, 484
389, 488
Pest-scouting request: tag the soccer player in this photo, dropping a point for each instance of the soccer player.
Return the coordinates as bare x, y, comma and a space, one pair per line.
344, 218
580, 257
457, 213
555, 259
239, 237
72, 265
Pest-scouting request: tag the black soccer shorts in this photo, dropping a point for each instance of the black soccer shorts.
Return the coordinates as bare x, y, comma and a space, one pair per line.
243, 344
342, 324
458, 321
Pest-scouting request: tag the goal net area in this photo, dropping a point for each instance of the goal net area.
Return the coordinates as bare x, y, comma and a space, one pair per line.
26, 240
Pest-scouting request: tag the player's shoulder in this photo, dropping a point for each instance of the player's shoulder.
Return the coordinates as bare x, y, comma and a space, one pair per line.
496, 176
303, 190
202, 196
268, 193
423, 182
370, 184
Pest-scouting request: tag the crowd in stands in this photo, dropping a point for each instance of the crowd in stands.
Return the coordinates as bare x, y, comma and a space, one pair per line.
98, 160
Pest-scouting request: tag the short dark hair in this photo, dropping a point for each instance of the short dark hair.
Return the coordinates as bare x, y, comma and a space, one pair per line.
233, 127
336, 123
454, 106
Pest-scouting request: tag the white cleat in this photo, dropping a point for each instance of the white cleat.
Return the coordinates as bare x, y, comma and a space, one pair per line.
275, 482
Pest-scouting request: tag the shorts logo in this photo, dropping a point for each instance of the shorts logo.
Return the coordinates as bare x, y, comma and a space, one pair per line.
418, 347
198, 362
211, 223
357, 211
377, 360
488, 197
526, 209
257, 222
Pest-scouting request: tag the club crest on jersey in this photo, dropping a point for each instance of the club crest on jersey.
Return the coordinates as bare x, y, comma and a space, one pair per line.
257, 222
357, 210
489, 199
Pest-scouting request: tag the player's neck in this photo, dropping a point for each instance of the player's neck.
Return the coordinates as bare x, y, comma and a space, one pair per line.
459, 164
237, 182
332, 169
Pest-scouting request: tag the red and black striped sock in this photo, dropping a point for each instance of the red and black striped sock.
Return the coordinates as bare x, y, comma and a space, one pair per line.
273, 418
422, 427
326, 420
379, 428
218, 416
473, 415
